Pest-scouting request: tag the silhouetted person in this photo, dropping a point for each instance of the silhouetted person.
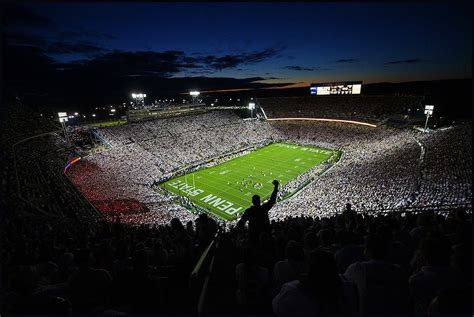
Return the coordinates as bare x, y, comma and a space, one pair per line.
382, 285
257, 215
88, 287
320, 292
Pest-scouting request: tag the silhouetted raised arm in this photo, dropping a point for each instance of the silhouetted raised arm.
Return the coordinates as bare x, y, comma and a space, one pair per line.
269, 204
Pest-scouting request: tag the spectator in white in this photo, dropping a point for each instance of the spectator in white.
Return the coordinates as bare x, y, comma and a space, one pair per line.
423, 227
382, 285
289, 269
350, 252
321, 292
434, 273
452, 302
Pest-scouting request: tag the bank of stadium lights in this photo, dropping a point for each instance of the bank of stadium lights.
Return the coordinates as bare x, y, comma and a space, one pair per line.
139, 98
93, 115
194, 95
112, 110
428, 112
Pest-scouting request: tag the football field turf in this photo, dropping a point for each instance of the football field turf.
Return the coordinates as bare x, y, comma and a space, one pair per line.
226, 189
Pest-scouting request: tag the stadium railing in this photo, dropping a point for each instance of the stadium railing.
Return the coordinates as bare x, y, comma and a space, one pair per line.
201, 274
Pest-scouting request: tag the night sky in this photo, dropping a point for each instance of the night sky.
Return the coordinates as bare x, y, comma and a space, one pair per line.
111, 48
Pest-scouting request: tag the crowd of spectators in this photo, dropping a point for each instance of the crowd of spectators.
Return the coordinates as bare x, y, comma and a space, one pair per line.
312, 258
348, 263
447, 168
379, 168
354, 263
57, 265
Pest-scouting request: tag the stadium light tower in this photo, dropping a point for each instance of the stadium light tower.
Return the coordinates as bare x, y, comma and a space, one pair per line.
139, 99
251, 107
63, 119
194, 94
428, 112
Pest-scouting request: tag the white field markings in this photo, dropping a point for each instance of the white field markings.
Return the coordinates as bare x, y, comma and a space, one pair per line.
288, 177
291, 175
218, 189
210, 182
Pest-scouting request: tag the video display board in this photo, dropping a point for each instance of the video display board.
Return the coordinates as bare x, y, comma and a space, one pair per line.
343, 88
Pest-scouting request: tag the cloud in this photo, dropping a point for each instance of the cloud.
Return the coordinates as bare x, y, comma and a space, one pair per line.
406, 61
52, 46
234, 60
85, 34
20, 38
73, 48
300, 68
109, 76
18, 15
347, 60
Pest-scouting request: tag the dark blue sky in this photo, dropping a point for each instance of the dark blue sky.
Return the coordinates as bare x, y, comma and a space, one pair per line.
281, 42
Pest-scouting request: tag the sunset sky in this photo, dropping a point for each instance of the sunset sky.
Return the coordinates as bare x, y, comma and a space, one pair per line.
247, 45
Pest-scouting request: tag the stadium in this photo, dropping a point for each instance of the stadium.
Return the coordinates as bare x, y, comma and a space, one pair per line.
198, 160
247, 169
215, 161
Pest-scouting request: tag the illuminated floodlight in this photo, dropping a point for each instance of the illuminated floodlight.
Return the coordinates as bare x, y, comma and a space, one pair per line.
70, 117
76, 113
194, 93
93, 114
251, 107
428, 112
112, 110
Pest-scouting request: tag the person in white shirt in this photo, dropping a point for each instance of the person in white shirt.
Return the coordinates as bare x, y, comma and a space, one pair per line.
434, 275
289, 269
382, 285
323, 291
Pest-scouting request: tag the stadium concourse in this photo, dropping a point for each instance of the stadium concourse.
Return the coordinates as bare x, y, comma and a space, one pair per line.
409, 222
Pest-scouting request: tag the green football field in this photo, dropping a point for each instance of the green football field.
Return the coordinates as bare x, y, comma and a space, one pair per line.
226, 189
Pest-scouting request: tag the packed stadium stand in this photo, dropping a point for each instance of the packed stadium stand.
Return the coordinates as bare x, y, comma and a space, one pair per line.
98, 238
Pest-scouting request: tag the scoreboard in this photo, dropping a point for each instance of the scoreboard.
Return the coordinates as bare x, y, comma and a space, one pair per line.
340, 88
